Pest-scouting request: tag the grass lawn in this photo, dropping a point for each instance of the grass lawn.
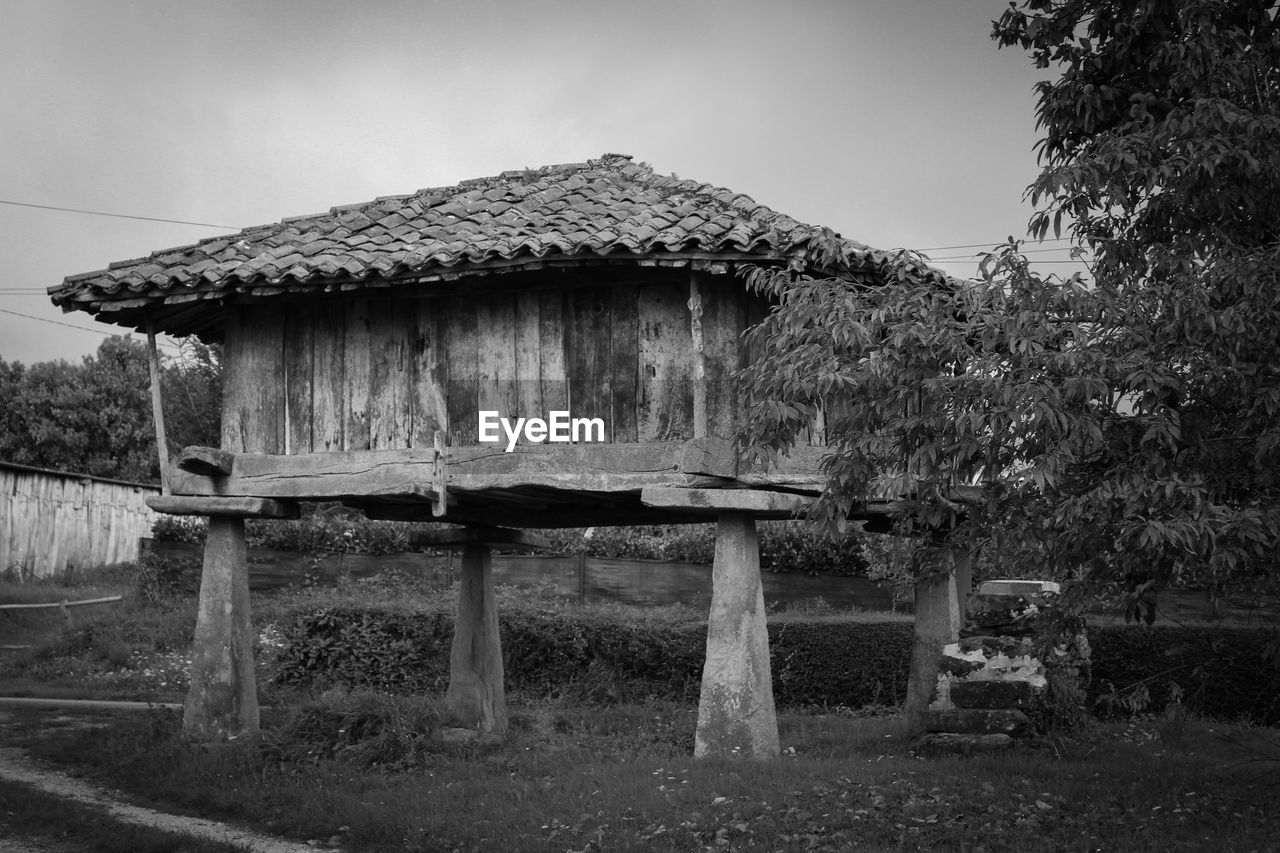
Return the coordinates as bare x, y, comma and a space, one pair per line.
366, 770
369, 773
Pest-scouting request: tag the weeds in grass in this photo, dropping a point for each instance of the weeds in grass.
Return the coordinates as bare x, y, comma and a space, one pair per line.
572, 778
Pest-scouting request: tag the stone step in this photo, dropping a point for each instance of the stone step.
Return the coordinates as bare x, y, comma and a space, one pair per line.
992, 694
945, 742
976, 721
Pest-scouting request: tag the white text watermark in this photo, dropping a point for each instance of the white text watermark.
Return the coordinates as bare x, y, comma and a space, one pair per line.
559, 427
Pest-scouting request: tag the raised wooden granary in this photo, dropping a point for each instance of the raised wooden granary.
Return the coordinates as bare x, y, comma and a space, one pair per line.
383, 354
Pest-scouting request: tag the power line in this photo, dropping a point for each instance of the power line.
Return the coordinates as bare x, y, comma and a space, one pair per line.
988, 245
120, 215
237, 227
1023, 252
1041, 261
74, 326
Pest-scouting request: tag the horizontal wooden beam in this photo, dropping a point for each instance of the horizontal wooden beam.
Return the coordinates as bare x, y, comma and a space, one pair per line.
495, 537
712, 455
415, 474
208, 461
242, 507
712, 501
411, 473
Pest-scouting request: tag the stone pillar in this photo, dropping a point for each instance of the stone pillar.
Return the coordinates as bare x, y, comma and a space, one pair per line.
937, 623
475, 693
964, 580
736, 717
222, 701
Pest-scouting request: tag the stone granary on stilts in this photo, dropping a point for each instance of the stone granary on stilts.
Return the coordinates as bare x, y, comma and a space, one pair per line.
382, 354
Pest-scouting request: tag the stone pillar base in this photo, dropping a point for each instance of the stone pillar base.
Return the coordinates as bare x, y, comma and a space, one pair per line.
736, 716
476, 695
222, 701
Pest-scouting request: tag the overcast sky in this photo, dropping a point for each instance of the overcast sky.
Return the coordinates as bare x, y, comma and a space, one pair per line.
898, 124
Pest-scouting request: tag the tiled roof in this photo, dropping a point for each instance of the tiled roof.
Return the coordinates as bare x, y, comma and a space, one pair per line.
609, 209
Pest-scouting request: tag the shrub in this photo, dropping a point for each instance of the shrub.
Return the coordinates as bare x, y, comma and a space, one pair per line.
828, 664
784, 546
594, 655
323, 529
164, 577
179, 528
612, 654
1223, 673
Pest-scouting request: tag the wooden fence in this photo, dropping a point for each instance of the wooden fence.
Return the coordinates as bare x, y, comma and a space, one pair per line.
580, 578
53, 522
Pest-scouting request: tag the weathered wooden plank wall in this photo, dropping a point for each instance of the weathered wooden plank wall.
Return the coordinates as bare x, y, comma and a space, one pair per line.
359, 374
51, 522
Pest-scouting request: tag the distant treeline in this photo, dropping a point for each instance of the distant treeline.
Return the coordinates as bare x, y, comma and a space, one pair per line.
94, 417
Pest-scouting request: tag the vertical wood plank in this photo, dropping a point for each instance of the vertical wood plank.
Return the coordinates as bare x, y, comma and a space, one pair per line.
624, 365
496, 354
587, 353
253, 394
529, 356
356, 375
390, 374
328, 377
299, 334
722, 324
430, 410
157, 406
554, 384
665, 397
460, 346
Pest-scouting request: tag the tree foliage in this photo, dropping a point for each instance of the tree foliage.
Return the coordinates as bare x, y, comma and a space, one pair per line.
95, 417
1123, 423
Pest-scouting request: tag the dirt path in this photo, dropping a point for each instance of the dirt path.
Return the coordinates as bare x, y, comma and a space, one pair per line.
17, 767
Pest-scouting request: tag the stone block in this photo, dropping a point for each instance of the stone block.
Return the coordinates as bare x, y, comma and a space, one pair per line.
1018, 587
991, 646
946, 742
958, 665
976, 721
992, 694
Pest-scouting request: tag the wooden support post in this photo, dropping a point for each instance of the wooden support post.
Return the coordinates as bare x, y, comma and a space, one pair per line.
699, 358
157, 406
222, 701
440, 505
736, 716
476, 695
937, 623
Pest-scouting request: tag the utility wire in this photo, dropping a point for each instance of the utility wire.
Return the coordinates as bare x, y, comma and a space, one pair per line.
237, 227
120, 215
988, 245
1023, 252
1041, 261
81, 328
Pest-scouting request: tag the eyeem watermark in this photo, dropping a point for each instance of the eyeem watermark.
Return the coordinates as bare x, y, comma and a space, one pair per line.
558, 428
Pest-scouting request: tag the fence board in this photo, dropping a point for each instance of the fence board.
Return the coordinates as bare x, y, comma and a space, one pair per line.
53, 522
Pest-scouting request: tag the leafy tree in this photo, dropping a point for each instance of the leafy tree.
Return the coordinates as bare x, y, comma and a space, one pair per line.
95, 417
192, 394
1122, 425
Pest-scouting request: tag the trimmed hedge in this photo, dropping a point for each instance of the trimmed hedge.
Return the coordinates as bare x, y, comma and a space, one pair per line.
1223, 673
602, 655
595, 655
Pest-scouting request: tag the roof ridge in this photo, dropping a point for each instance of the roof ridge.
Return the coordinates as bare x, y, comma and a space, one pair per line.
609, 208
